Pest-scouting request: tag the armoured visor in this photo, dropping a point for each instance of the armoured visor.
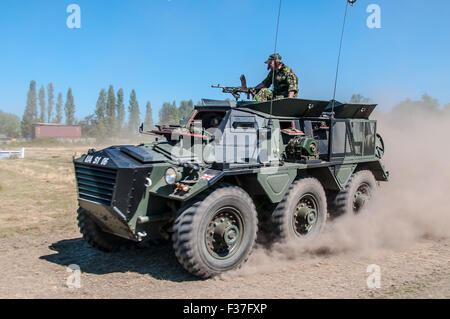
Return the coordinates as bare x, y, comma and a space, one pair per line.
111, 184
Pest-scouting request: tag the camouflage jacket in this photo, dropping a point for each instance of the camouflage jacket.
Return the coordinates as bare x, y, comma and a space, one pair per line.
285, 81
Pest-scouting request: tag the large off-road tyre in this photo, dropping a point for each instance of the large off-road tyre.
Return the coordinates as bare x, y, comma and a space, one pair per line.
356, 195
303, 211
216, 232
97, 238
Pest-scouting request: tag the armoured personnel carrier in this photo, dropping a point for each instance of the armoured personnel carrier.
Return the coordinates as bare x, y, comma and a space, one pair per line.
208, 182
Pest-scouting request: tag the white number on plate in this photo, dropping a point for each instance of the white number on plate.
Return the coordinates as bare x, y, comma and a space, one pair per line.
97, 160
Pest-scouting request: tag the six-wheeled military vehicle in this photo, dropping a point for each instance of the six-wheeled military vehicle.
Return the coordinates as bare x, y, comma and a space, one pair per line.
208, 182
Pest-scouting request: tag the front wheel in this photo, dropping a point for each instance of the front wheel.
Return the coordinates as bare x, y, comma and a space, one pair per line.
303, 211
217, 232
96, 237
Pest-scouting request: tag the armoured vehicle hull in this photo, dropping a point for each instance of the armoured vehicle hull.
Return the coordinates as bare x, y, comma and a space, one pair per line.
209, 182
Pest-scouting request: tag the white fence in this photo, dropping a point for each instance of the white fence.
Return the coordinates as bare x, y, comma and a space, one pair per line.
12, 154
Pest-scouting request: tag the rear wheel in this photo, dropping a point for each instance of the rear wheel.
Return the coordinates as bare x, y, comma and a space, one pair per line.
217, 232
356, 195
303, 211
96, 237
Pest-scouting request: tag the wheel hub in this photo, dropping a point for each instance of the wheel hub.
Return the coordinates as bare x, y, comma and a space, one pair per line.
305, 216
361, 197
306, 213
231, 234
223, 234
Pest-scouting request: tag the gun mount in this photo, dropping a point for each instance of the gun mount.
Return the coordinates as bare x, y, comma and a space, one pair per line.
235, 90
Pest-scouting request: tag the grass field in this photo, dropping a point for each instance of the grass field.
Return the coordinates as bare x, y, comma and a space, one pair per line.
38, 193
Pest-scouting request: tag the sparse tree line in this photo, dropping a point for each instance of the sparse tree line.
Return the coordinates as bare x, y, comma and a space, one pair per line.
46, 105
110, 117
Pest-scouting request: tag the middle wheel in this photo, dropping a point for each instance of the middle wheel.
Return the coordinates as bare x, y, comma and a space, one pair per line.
303, 211
217, 232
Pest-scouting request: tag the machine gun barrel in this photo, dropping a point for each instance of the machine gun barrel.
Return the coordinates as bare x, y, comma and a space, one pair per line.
235, 90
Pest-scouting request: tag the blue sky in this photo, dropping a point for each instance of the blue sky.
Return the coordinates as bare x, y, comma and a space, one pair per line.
174, 50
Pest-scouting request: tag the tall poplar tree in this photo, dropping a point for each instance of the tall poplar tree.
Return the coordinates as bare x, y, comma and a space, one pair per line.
100, 113
100, 108
133, 109
120, 110
148, 123
59, 105
50, 103
69, 108
111, 111
30, 113
42, 104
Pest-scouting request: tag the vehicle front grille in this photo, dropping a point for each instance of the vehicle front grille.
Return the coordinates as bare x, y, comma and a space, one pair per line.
95, 184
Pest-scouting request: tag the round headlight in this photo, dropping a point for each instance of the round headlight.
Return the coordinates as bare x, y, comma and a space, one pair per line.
171, 176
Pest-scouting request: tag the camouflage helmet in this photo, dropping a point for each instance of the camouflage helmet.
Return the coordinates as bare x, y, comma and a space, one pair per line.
274, 57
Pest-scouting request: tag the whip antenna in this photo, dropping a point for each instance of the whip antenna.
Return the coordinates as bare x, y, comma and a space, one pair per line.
275, 51
349, 2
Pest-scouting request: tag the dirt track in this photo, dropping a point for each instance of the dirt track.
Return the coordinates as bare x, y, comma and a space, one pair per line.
37, 269
39, 239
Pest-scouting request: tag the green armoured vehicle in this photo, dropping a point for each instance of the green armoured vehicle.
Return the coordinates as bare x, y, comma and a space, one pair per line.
208, 183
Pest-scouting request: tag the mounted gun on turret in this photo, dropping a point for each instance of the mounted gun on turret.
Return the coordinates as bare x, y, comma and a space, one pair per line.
236, 90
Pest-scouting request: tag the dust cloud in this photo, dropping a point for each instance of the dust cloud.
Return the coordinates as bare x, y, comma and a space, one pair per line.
412, 206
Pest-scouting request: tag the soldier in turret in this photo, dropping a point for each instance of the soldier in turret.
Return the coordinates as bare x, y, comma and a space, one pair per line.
285, 82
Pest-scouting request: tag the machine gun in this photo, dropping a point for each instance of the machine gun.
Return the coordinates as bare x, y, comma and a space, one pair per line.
235, 90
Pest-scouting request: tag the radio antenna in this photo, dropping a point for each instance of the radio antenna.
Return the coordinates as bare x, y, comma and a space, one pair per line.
273, 71
349, 2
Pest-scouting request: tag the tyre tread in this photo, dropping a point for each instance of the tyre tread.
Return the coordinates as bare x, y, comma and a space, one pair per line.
184, 238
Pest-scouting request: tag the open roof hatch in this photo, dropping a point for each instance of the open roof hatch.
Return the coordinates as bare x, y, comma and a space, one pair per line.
288, 107
352, 111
